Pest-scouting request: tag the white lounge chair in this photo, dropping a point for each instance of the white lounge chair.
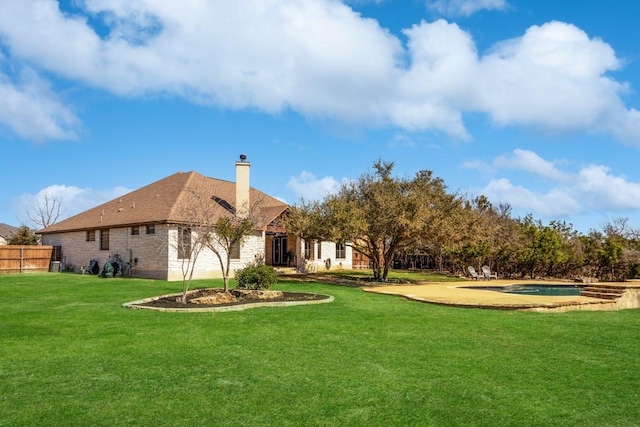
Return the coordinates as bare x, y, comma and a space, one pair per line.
486, 272
474, 274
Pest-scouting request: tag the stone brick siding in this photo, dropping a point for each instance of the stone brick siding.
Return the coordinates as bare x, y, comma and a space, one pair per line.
156, 257
149, 249
326, 250
207, 264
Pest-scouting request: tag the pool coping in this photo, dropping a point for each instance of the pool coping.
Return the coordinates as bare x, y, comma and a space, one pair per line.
462, 294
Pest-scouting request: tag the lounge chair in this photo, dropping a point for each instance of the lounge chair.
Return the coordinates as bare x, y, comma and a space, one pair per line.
474, 274
486, 272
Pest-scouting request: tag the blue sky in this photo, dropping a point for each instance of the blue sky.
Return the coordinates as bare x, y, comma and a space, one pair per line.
531, 103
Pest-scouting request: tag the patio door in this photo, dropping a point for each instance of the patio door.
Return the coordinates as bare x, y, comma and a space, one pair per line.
280, 250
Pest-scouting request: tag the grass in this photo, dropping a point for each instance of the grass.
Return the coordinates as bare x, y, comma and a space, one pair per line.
70, 355
403, 276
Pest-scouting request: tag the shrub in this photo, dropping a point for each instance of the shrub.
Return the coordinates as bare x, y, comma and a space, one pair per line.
256, 277
23, 236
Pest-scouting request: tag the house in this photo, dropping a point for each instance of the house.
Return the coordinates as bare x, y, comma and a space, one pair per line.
141, 228
6, 232
360, 261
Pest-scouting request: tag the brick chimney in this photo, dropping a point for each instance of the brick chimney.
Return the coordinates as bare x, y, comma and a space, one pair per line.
242, 186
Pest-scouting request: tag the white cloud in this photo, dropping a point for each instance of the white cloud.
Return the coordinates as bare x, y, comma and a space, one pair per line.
433, 89
555, 77
465, 7
323, 60
529, 161
402, 141
591, 189
602, 190
555, 203
364, 1
306, 186
73, 200
31, 110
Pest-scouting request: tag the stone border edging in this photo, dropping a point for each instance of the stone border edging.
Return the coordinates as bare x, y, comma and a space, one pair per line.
137, 305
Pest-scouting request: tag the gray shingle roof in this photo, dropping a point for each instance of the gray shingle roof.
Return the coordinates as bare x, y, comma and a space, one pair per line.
7, 230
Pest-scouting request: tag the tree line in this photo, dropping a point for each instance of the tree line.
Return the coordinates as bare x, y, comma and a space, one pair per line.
416, 222
413, 222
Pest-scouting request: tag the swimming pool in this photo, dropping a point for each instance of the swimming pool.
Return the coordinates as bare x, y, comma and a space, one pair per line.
534, 289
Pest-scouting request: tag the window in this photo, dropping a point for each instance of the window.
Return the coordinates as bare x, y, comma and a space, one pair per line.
234, 251
341, 250
184, 242
319, 249
308, 249
91, 235
104, 240
135, 230
56, 255
151, 229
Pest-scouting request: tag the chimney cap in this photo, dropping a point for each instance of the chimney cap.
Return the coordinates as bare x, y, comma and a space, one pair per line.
243, 157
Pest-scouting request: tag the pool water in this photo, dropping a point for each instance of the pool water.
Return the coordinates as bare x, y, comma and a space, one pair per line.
543, 290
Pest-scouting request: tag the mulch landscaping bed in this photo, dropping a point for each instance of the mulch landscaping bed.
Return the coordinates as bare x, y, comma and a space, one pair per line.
214, 297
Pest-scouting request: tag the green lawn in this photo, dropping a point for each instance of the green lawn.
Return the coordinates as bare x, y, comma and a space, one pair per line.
71, 356
409, 276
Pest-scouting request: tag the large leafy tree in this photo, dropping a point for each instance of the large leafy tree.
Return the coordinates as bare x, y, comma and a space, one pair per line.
476, 233
619, 256
379, 214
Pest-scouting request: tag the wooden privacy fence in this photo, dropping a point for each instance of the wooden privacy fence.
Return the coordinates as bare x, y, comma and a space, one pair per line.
22, 259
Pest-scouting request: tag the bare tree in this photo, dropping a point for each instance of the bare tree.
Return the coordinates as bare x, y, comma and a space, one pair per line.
47, 210
221, 231
225, 236
189, 232
187, 242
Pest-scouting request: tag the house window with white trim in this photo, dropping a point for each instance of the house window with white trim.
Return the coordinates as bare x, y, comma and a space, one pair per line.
184, 242
135, 230
341, 250
308, 249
